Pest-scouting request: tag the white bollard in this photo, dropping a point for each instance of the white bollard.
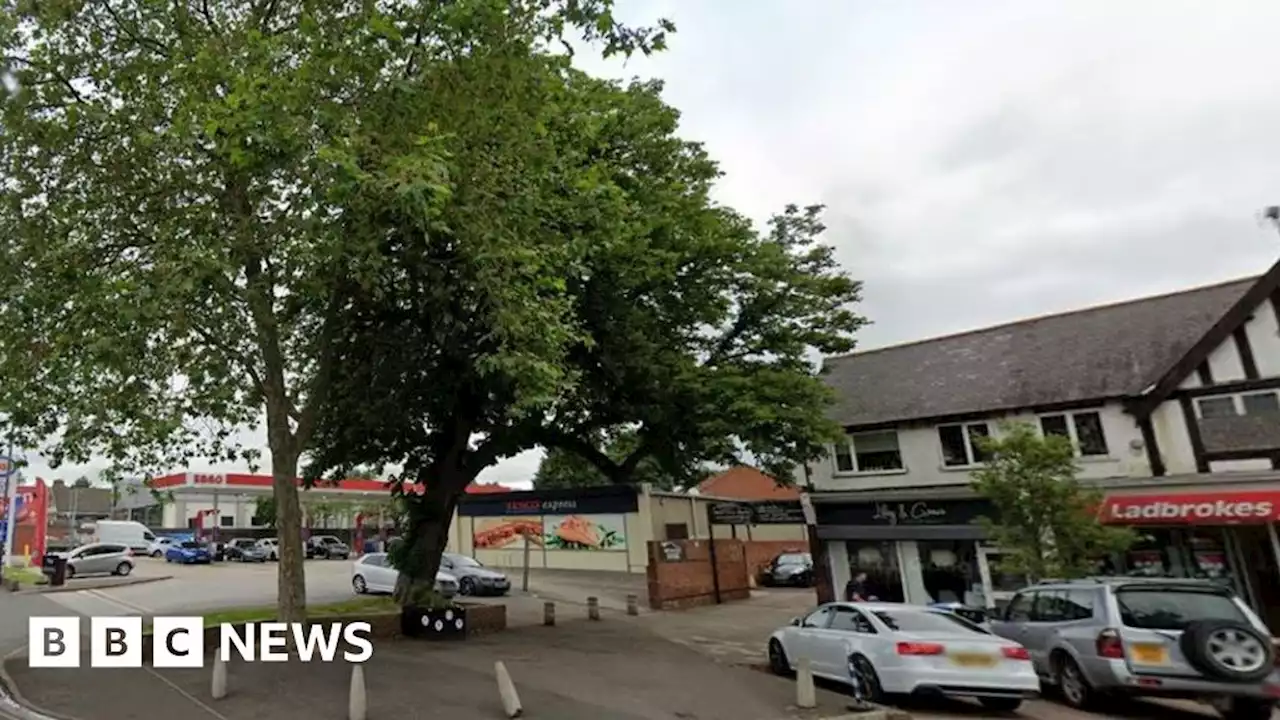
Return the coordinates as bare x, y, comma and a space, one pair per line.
358, 704
806, 693
507, 691
219, 689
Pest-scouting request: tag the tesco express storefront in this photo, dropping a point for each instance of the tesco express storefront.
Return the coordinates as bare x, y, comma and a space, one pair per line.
1227, 536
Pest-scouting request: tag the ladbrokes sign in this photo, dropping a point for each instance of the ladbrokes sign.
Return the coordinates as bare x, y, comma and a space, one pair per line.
1227, 508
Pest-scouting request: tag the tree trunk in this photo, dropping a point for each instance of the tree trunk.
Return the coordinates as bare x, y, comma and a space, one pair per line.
429, 519
291, 582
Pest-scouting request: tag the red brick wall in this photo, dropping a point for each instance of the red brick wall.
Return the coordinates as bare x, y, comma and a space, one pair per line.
688, 582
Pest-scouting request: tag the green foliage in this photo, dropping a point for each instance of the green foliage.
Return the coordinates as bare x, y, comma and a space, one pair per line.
567, 469
264, 511
193, 191
1046, 523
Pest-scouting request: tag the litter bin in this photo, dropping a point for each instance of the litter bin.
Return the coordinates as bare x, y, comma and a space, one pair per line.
56, 567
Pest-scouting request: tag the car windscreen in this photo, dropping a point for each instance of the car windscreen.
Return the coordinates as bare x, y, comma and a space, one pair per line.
189, 545
796, 559
1174, 609
464, 561
925, 622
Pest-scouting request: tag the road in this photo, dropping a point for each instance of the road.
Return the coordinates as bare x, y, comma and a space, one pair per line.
731, 634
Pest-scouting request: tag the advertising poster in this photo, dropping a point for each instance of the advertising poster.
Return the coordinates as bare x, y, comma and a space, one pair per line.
585, 532
506, 533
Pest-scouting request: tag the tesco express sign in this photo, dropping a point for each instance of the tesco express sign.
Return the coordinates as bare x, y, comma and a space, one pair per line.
1224, 508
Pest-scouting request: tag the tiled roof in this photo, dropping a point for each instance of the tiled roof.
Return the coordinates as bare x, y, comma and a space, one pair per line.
1109, 351
746, 483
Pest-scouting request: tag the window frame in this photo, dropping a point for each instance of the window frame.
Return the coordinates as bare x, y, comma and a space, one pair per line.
826, 611
1238, 407
1069, 418
849, 445
970, 448
857, 615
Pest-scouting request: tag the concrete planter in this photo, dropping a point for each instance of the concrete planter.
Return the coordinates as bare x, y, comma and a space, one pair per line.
434, 623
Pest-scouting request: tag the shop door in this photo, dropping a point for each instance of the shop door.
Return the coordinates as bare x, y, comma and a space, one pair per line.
1259, 562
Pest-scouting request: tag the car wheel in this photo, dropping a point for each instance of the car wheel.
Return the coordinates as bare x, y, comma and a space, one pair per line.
71, 571
778, 662
123, 569
467, 586
157, 554
357, 584
1248, 709
1073, 686
1227, 650
1001, 704
872, 690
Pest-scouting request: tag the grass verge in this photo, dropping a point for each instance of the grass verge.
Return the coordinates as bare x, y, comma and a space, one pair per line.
354, 606
24, 575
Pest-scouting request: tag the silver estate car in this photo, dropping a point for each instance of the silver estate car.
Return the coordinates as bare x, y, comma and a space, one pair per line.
1100, 637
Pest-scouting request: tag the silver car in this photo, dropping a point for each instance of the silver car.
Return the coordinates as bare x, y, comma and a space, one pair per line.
1103, 637
95, 559
474, 578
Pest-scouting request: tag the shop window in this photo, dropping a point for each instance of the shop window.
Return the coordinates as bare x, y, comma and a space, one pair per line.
869, 452
949, 569
961, 444
1217, 407
1083, 429
1266, 403
879, 560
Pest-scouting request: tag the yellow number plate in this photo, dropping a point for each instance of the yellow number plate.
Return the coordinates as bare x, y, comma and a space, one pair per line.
1149, 654
973, 659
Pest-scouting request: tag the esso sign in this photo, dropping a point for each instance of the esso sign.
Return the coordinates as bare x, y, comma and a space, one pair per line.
208, 479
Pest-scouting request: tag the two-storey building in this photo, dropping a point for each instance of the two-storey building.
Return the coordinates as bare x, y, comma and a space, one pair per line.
1171, 403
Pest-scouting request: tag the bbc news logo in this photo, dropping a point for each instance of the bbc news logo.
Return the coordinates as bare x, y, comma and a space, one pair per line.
178, 642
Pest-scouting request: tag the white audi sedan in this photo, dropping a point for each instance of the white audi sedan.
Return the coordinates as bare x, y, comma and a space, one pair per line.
903, 649
372, 573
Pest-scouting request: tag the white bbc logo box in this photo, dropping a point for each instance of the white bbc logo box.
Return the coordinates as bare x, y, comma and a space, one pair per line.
115, 642
178, 642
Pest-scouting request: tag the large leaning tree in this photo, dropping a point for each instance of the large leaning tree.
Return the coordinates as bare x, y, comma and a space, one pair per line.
614, 297
191, 195
567, 469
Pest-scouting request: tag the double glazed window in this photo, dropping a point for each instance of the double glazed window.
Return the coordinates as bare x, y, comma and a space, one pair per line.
961, 444
1258, 403
1083, 429
869, 452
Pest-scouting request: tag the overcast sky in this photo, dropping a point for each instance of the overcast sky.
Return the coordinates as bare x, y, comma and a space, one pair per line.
986, 161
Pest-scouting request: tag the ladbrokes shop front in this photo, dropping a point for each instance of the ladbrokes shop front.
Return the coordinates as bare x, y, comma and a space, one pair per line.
1228, 536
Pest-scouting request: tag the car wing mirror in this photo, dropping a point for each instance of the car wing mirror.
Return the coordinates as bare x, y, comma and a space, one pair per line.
796, 622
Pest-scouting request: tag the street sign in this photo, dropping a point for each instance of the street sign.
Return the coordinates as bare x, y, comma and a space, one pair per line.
6, 467
758, 512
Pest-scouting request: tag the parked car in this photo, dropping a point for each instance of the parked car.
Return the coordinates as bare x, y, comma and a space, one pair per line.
159, 546
372, 573
474, 578
327, 547
188, 552
1102, 637
270, 548
93, 559
245, 550
794, 569
904, 649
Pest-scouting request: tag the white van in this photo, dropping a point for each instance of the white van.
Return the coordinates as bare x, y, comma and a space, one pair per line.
129, 533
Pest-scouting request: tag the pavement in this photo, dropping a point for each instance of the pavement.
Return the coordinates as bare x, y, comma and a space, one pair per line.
578, 670
672, 647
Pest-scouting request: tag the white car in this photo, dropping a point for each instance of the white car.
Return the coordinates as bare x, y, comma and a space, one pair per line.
904, 649
159, 547
372, 573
